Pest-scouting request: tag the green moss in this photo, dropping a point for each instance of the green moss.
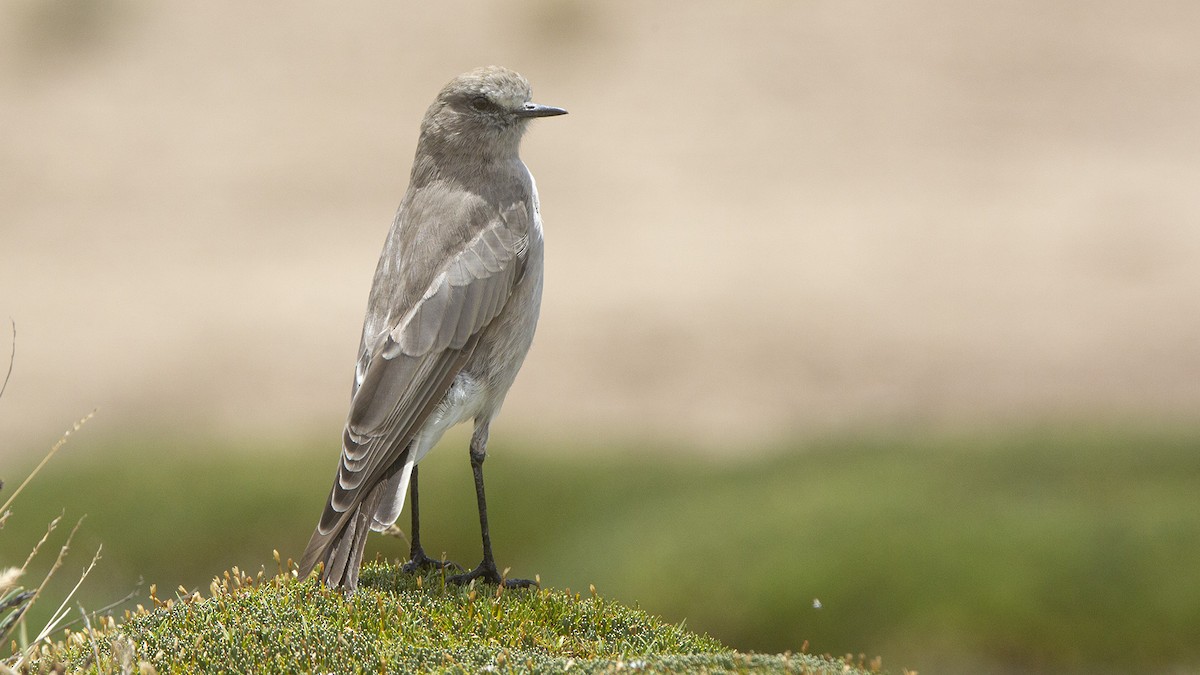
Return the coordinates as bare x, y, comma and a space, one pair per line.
399, 623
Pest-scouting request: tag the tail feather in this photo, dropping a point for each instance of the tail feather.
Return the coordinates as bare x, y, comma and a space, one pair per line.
342, 549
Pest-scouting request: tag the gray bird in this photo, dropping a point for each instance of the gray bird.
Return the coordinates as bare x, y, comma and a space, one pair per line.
450, 317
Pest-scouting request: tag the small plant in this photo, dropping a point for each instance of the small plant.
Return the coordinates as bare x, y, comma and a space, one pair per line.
15, 599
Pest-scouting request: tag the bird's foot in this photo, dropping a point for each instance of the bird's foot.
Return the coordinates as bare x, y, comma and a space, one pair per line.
488, 573
421, 562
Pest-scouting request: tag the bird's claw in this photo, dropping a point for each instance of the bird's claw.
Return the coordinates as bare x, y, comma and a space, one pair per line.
421, 562
488, 573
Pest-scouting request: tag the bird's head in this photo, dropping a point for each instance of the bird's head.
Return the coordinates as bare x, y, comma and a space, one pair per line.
485, 109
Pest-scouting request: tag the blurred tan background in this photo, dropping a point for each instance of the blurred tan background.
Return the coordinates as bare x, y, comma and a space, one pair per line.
764, 219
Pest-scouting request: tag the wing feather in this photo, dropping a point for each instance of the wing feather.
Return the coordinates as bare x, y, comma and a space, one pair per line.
403, 377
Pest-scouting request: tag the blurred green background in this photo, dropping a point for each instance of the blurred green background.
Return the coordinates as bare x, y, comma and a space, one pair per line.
1045, 550
885, 306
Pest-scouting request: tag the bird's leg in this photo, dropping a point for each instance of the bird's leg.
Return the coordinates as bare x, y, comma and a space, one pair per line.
487, 567
417, 560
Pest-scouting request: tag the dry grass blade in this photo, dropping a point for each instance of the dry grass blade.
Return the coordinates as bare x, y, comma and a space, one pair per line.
57, 446
116, 603
62, 553
12, 355
60, 613
91, 633
19, 599
38, 546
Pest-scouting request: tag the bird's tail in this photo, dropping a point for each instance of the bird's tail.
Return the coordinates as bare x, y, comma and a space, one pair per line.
341, 550
341, 547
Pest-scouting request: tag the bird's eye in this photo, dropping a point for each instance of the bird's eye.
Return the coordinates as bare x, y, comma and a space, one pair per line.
481, 103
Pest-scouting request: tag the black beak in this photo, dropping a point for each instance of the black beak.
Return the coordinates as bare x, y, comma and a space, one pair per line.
538, 110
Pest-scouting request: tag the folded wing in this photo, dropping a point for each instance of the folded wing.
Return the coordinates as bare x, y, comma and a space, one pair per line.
404, 375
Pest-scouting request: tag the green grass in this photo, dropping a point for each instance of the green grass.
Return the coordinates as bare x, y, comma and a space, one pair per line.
1040, 550
398, 623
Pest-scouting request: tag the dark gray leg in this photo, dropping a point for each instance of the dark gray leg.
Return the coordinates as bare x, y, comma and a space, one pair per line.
487, 567
417, 560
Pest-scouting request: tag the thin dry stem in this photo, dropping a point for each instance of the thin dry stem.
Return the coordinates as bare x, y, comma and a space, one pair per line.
61, 442
12, 355
37, 547
117, 603
62, 553
91, 632
61, 612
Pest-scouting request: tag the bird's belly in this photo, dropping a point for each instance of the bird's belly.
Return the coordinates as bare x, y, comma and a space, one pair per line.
478, 390
464, 401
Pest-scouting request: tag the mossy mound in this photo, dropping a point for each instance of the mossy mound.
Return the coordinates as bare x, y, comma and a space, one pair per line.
398, 623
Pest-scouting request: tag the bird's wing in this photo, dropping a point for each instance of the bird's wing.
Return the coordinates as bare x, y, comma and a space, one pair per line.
409, 370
